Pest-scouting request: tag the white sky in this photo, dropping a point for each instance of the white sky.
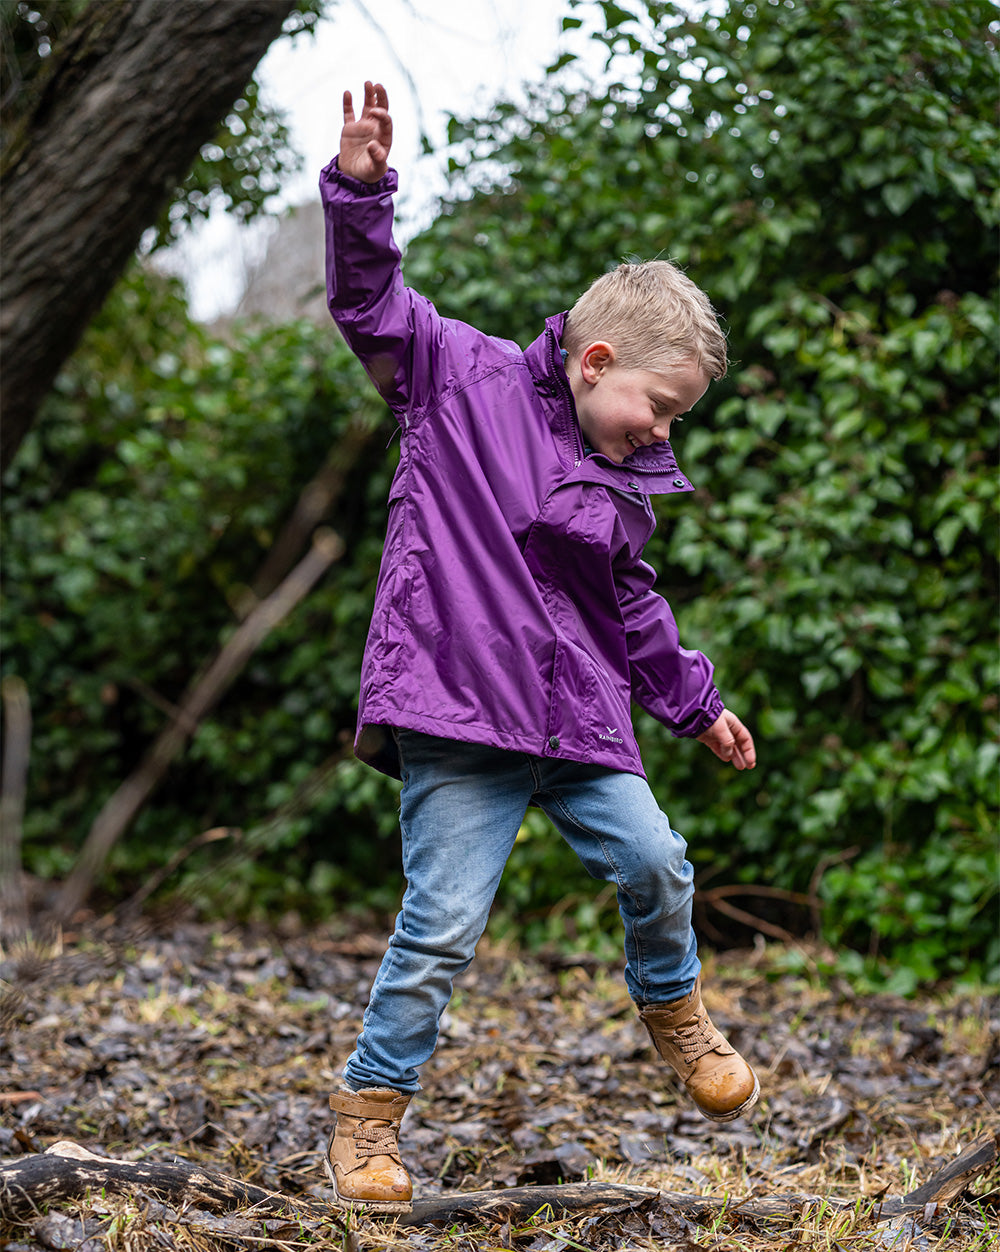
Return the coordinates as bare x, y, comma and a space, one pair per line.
433, 56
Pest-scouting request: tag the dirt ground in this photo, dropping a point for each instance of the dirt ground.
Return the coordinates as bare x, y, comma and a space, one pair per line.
218, 1045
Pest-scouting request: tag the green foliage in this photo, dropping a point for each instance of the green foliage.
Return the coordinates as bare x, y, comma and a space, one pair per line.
137, 513
241, 169
827, 173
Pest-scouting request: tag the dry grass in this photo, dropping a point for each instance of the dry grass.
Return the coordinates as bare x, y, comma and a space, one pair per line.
218, 1047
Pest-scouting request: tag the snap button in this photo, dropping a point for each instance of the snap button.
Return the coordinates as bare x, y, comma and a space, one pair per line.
632, 486
553, 742
679, 482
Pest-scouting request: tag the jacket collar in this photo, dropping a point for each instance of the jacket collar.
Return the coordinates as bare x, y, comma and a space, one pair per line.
651, 470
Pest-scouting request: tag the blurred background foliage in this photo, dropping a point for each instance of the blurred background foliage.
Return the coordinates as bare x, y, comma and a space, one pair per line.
827, 173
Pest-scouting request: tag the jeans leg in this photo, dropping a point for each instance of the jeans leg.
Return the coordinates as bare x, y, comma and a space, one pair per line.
613, 823
461, 808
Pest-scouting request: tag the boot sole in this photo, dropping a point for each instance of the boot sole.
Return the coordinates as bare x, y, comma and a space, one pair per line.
369, 1206
745, 1107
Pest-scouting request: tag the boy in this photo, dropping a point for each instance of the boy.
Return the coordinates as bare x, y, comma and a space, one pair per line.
514, 623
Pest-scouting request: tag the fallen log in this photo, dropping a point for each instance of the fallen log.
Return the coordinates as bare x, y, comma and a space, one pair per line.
519, 1203
68, 1171
948, 1183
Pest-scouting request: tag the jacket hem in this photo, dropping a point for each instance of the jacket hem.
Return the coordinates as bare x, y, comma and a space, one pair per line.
379, 749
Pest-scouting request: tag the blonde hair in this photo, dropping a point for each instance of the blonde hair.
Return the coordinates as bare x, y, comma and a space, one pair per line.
653, 316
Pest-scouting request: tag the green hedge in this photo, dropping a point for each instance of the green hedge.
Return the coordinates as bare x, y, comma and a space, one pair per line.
827, 173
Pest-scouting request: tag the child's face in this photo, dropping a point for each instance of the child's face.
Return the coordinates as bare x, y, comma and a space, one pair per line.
624, 409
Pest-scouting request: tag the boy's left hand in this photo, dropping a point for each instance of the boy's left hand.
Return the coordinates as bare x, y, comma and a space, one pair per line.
730, 740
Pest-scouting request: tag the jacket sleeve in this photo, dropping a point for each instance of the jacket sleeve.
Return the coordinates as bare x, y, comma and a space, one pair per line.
409, 351
671, 683
364, 284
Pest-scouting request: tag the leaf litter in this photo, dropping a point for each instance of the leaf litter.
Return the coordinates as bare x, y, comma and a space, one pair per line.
217, 1045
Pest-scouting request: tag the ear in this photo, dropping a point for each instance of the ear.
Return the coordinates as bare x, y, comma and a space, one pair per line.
595, 360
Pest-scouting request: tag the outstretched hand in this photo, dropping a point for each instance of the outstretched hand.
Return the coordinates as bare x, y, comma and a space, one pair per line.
365, 141
730, 740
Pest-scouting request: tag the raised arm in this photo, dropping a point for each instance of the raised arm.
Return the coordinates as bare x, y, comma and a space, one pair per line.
397, 334
376, 313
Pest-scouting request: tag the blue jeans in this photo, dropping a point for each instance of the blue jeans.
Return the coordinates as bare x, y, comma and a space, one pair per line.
461, 808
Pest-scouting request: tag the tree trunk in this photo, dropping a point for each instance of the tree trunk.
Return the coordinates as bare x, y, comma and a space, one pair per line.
138, 87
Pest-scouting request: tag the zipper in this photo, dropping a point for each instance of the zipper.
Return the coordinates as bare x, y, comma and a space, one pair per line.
563, 384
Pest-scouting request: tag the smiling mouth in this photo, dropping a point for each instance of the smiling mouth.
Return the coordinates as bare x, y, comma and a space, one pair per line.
632, 439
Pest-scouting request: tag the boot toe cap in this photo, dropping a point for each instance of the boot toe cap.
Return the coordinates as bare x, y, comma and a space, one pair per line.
727, 1093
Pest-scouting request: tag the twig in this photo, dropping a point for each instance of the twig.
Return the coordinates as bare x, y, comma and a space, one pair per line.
248, 844
745, 889
822, 865
314, 503
160, 702
758, 923
135, 902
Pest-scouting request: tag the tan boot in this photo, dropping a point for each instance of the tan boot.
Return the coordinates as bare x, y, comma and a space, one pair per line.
717, 1078
362, 1160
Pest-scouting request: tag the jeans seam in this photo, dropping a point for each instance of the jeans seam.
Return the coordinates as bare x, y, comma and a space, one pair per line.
636, 940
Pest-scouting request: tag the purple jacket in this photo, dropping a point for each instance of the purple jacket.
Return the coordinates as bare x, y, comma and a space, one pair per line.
513, 606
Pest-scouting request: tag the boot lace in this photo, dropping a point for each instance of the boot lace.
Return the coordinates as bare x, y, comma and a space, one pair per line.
695, 1038
375, 1139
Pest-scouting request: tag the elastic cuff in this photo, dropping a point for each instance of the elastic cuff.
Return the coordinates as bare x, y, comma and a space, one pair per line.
389, 182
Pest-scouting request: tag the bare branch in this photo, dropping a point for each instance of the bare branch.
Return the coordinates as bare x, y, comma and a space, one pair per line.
121, 808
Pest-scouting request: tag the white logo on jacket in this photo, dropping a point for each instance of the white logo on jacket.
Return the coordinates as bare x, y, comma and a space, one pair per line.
611, 737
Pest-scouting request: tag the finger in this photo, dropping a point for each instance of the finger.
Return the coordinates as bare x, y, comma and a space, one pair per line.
381, 96
747, 750
348, 108
369, 95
